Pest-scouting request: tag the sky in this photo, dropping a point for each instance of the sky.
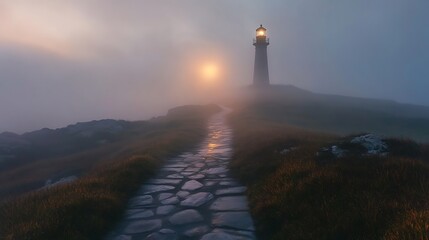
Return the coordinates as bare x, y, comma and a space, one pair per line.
67, 61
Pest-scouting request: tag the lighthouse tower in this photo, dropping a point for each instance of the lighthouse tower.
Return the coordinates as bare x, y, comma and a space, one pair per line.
260, 72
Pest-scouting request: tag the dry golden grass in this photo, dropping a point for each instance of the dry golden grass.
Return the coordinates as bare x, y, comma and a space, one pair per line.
295, 196
89, 207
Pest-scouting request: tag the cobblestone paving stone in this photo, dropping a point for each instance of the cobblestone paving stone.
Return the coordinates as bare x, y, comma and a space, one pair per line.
192, 197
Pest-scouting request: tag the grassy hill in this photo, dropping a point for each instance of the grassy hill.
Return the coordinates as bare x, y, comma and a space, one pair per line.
284, 140
48, 143
110, 173
51, 154
296, 191
35, 157
336, 114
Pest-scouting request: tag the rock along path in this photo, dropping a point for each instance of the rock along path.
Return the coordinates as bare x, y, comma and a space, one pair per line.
192, 197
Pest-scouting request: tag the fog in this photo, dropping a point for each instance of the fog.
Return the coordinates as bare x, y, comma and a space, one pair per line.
68, 61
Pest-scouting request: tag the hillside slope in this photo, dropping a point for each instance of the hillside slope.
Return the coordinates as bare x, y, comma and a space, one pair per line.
337, 114
90, 206
33, 158
306, 184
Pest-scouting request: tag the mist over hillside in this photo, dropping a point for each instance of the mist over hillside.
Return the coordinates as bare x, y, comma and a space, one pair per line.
32, 158
15, 148
336, 113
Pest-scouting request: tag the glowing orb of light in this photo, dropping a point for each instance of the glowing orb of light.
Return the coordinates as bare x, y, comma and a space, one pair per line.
210, 71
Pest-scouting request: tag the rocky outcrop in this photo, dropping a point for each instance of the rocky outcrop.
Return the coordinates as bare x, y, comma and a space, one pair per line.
362, 145
373, 143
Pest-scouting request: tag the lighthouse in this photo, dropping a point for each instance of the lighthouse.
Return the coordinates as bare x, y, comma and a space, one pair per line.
260, 71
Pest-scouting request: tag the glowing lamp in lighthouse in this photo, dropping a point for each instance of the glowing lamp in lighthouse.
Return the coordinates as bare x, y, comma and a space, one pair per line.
261, 32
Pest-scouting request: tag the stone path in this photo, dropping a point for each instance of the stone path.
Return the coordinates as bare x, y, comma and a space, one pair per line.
192, 197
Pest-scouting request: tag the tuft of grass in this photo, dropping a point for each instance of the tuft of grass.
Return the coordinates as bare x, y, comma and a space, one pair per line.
292, 196
89, 207
81, 210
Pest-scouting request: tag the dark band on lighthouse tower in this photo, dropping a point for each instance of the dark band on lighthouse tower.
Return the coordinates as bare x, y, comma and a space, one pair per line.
260, 71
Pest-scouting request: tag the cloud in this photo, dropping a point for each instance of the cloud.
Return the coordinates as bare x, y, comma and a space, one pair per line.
56, 27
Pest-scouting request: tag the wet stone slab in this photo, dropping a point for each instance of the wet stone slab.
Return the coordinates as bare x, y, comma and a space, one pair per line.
163, 196
216, 170
233, 203
187, 173
142, 226
183, 194
191, 169
196, 176
141, 201
185, 217
197, 199
172, 169
172, 200
164, 210
163, 234
218, 236
193, 196
196, 231
176, 175
147, 189
237, 220
177, 165
192, 185
165, 181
